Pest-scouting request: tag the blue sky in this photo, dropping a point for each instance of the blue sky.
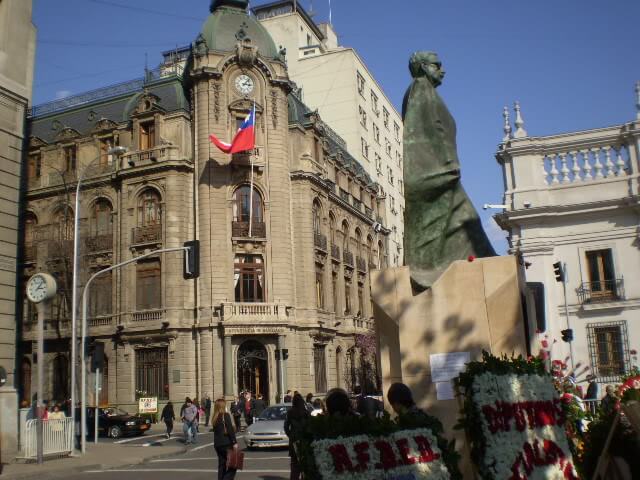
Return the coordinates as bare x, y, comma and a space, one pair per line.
572, 64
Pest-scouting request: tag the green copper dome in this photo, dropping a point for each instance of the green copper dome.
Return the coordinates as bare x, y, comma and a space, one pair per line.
229, 24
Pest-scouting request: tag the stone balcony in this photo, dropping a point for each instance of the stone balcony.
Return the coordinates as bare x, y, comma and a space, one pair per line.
99, 243
146, 234
254, 313
151, 156
241, 230
586, 167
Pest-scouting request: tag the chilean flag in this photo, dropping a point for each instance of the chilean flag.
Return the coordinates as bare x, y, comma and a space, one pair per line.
245, 137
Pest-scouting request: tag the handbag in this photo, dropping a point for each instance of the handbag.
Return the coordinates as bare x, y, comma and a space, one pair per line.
235, 456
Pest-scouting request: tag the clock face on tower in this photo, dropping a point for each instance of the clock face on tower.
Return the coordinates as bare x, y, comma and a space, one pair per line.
244, 84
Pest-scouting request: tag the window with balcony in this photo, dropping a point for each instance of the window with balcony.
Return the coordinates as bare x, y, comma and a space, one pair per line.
149, 222
152, 373
609, 349
64, 224
69, 154
248, 205
101, 226
385, 117
248, 278
602, 285
34, 166
320, 368
106, 159
148, 285
320, 288
147, 138
347, 297
317, 223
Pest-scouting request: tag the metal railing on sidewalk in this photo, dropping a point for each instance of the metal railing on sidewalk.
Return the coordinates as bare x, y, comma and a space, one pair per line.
56, 435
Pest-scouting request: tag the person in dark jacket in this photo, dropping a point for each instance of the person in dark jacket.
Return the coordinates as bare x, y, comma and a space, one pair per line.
207, 410
258, 406
249, 406
338, 402
287, 397
296, 418
168, 416
224, 438
236, 411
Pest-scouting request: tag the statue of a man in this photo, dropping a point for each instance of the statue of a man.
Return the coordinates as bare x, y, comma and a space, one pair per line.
441, 224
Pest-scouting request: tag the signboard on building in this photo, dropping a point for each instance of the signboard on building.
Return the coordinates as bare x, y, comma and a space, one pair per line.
148, 405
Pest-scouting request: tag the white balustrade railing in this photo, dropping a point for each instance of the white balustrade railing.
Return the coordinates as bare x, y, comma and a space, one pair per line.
585, 165
147, 315
240, 310
56, 438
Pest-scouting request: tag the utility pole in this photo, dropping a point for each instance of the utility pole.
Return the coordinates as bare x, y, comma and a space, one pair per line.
566, 311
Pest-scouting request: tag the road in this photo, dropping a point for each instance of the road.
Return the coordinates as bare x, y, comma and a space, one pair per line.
199, 463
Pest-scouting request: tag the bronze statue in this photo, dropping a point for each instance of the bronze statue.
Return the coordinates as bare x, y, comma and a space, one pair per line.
441, 224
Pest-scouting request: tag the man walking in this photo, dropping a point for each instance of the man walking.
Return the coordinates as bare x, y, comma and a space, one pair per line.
207, 410
189, 418
249, 407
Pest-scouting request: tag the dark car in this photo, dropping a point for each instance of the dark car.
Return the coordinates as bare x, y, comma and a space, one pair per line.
116, 423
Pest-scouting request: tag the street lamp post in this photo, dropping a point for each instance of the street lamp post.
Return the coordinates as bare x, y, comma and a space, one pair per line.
117, 151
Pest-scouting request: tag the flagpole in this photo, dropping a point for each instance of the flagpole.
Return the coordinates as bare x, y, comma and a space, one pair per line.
251, 180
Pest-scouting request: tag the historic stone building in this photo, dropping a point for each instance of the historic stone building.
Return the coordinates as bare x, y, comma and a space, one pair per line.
280, 300
573, 198
17, 50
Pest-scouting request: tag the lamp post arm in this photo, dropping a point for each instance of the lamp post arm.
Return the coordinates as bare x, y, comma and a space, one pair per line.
83, 367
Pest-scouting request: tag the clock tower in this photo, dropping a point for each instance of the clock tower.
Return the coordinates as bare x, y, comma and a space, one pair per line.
242, 201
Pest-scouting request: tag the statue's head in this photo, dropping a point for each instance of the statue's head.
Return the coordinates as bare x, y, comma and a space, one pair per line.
427, 64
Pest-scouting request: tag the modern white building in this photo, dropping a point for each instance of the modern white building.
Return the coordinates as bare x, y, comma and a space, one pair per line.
335, 80
574, 198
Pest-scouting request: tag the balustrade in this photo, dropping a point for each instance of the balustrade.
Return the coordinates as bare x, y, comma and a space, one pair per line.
601, 291
99, 243
584, 165
101, 321
335, 252
160, 153
347, 257
147, 315
254, 311
320, 241
146, 234
241, 229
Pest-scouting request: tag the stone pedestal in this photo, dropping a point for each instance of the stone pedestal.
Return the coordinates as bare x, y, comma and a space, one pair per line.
8, 423
473, 306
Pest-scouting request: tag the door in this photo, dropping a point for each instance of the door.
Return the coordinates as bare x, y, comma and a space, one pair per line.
253, 368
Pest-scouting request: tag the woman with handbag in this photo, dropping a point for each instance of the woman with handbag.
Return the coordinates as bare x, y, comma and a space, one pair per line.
224, 441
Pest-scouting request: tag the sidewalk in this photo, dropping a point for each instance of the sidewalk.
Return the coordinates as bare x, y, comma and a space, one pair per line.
101, 456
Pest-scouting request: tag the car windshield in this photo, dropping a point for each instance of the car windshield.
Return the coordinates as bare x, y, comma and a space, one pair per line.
275, 413
112, 412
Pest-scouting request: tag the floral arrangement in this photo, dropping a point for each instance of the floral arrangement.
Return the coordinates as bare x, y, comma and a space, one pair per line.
354, 448
515, 420
630, 388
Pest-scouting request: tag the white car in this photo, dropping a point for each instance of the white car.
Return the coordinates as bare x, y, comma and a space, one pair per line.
268, 429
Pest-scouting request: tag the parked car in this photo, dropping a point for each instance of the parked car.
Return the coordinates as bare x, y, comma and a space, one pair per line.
268, 429
115, 423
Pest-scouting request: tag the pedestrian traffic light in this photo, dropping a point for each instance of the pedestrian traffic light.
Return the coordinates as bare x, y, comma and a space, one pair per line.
559, 272
285, 353
191, 259
567, 335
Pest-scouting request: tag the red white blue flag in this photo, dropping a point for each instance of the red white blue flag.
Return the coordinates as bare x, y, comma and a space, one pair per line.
244, 139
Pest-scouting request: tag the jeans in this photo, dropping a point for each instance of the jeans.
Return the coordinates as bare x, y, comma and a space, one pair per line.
189, 430
223, 473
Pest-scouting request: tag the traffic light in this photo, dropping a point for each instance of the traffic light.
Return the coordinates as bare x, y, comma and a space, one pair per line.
567, 335
285, 353
559, 272
191, 259
97, 358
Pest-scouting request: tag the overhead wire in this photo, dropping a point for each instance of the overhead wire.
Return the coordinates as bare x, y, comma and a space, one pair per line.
145, 10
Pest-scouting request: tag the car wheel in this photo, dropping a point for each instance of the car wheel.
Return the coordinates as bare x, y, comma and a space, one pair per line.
115, 431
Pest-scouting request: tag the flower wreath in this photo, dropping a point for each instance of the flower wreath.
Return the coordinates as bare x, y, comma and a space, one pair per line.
360, 448
515, 420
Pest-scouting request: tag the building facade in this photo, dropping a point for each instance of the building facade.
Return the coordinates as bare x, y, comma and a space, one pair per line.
17, 50
573, 198
286, 232
335, 80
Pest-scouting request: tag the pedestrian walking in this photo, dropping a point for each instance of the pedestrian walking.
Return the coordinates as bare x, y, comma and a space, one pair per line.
258, 406
236, 411
189, 416
168, 416
288, 397
296, 419
207, 410
224, 439
249, 406
199, 415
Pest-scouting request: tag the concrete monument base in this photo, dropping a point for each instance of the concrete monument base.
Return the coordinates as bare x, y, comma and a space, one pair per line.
473, 306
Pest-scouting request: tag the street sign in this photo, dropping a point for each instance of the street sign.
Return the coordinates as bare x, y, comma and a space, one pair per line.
148, 405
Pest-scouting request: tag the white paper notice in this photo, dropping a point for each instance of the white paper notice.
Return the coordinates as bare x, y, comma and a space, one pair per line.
444, 390
445, 366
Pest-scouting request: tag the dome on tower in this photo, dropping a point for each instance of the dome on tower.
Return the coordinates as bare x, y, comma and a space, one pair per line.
230, 24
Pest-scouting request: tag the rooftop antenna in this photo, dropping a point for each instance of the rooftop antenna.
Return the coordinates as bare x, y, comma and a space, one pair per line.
330, 22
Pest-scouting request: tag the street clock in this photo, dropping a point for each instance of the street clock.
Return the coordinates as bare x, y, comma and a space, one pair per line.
41, 287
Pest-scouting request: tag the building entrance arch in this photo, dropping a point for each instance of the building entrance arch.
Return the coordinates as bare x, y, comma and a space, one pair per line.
253, 368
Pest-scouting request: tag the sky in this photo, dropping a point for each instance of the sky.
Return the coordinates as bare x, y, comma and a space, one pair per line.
572, 64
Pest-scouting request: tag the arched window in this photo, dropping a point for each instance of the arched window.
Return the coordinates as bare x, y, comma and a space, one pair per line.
242, 202
358, 243
369, 252
101, 218
316, 211
149, 212
345, 236
332, 228
64, 224
248, 278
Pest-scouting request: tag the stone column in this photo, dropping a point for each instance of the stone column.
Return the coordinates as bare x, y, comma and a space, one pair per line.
282, 369
227, 365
